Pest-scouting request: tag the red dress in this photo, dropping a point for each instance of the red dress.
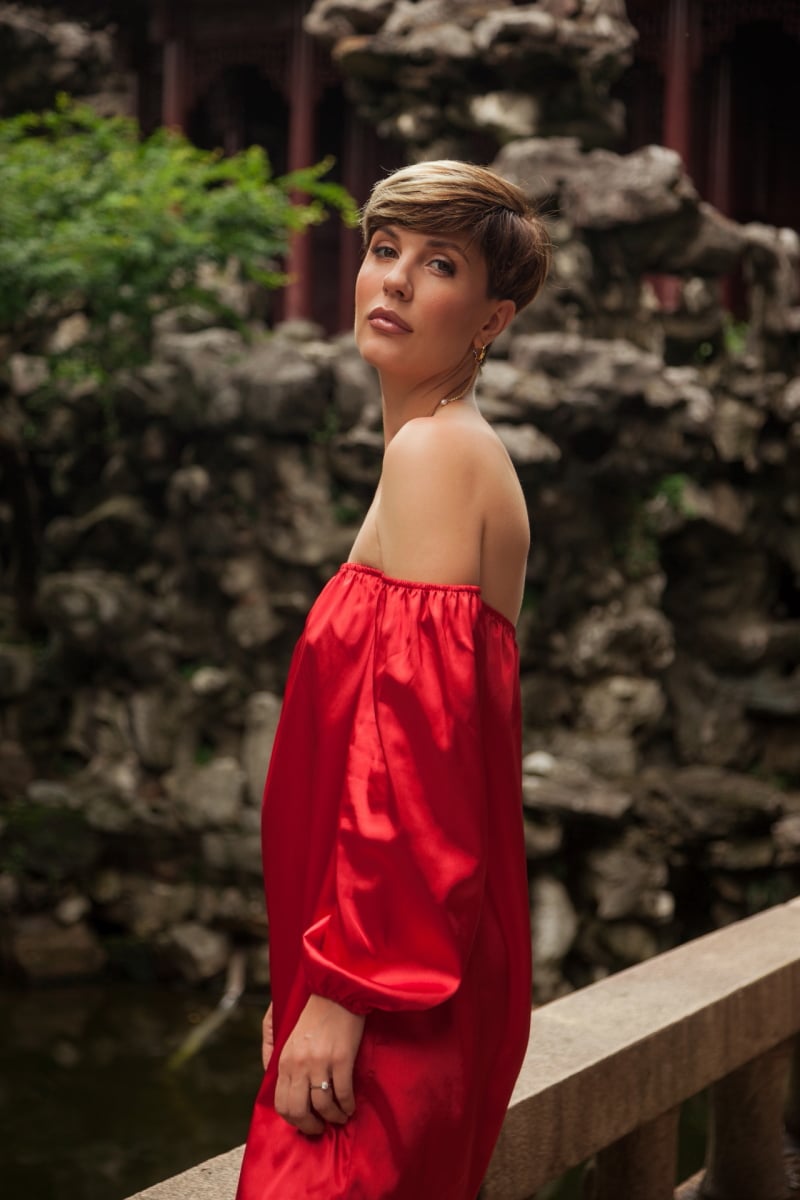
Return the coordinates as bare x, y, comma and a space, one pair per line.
396, 885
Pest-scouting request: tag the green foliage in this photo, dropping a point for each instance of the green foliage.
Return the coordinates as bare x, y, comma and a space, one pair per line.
673, 490
637, 548
730, 340
346, 514
188, 670
734, 335
204, 754
95, 218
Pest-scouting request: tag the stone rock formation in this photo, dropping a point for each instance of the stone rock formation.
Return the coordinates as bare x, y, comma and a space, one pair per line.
436, 74
42, 54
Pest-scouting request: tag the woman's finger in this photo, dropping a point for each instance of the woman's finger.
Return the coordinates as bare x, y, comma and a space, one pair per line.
282, 1095
324, 1101
267, 1038
342, 1075
299, 1111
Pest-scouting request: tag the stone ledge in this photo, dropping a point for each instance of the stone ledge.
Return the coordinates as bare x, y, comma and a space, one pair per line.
214, 1179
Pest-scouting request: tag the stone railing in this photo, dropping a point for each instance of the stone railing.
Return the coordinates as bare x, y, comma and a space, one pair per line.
608, 1067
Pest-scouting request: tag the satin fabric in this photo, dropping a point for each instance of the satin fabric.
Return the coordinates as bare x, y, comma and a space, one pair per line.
396, 885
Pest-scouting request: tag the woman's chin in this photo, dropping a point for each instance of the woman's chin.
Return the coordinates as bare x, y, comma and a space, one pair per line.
382, 353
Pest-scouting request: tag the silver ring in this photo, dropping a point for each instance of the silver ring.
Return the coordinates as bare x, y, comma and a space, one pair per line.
323, 1087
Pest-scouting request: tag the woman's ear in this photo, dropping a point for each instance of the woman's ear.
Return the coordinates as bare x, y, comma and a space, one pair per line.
502, 316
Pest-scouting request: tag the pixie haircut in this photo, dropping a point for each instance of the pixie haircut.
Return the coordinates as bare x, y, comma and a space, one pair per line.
448, 197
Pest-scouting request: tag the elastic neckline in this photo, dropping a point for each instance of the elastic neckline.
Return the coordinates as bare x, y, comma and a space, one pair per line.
423, 585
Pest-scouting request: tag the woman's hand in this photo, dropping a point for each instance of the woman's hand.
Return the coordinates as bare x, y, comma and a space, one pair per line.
321, 1048
267, 1037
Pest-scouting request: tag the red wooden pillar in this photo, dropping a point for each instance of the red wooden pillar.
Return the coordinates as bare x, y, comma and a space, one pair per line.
176, 65
173, 104
176, 99
719, 182
678, 61
354, 179
302, 90
678, 81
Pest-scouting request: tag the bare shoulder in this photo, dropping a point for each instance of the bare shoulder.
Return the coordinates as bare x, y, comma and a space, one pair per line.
460, 450
430, 515
426, 437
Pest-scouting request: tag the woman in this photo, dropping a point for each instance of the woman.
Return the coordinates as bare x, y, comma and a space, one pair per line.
392, 831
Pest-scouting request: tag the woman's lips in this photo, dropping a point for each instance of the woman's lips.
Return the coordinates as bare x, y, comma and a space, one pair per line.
387, 321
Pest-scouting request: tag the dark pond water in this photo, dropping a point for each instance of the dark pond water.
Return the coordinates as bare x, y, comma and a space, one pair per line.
90, 1111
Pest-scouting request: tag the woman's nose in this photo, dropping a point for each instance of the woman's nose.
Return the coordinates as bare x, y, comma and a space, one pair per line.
396, 281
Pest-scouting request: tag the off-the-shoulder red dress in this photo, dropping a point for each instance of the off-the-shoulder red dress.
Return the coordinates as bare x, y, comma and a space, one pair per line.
396, 885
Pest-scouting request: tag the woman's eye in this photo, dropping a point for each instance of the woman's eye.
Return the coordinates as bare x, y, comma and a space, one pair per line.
383, 251
444, 265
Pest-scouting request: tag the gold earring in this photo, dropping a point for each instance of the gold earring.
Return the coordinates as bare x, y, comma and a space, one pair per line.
480, 355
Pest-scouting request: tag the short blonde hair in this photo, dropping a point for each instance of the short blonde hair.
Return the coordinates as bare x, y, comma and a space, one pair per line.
447, 196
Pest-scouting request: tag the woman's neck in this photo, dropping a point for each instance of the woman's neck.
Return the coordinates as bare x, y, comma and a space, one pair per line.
401, 403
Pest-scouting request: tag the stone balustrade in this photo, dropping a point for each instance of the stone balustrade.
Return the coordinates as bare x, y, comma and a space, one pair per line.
608, 1067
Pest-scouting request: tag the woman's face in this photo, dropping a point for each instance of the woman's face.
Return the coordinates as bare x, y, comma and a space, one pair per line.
422, 304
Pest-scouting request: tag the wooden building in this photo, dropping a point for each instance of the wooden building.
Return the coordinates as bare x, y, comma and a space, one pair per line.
719, 81
716, 80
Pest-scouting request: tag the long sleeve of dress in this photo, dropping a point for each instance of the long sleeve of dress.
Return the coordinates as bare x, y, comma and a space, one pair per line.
411, 846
